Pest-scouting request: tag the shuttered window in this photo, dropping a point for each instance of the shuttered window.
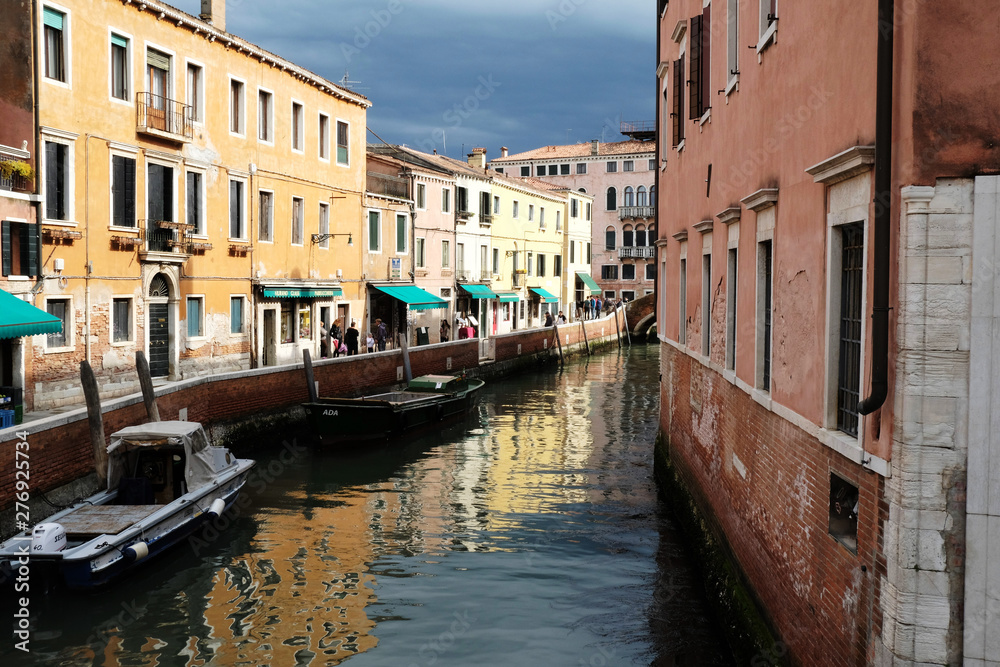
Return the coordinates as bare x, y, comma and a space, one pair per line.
400, 233
236, 315
20, 249
699, 81
55, 44
122, 191
236, 230
56, 181
676, 115
343, 154
119, 67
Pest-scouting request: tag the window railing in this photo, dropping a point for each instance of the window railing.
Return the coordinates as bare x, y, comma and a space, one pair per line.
163, 117
12, 180
637, 252
158, 239
635, 212
388, 185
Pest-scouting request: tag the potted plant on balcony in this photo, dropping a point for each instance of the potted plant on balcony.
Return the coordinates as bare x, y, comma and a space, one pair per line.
16, 171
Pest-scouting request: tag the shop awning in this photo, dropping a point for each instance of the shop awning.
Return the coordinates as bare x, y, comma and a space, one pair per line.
507, 297
413, 296
19, 318
302, 293
589, 282
479, 291
546, 296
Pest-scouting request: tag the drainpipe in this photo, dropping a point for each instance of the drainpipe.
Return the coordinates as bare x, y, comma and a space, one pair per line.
883, 211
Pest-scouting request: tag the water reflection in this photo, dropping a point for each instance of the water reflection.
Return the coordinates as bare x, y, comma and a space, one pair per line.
528, 533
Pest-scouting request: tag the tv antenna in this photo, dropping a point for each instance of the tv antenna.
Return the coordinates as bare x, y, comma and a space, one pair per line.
351, 85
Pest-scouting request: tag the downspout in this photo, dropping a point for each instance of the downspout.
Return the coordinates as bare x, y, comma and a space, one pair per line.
35, 73
883, 212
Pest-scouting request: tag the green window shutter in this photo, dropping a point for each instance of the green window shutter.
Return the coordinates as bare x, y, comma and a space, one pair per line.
236, 315
118, 40
54, 19
158, 60
373, 231
29, 250
8, 259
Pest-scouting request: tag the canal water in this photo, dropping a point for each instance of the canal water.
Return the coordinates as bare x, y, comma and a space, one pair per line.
528, 534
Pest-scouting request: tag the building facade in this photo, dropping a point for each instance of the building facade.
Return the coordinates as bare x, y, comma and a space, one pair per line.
829, 243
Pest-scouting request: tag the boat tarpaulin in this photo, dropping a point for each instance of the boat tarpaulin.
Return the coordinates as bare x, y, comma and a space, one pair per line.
200, 461
413, 296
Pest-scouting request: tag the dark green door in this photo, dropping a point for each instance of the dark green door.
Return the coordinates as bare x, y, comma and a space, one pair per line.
159, 340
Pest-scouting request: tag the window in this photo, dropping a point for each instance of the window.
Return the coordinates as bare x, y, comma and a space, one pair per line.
731, 309
20, 249
120, 79
59, 309
677, 103
581, 167
525, 171
558, 220
237, 210
640, 236
418, 253
196, 92
588, 260
628, 236
194, 197
287, 323
121, 320
541, 218
682, 304
460, 257
343, 154
298, 127
768, 21
589, 211
305, 322
160, 194
484, 206
628, 271
236, 122
541, 171
574, 208
541, 265
499, 170
401, 243
515, 211
122, 191
55, 44
324, 225
266, 214
496, 205
572, 252
298, 221
236, 314
324, 137
564, 170
628, 199
628, 295
496, 261
611, 201
265, 116
612, 167
374, 231
851, 325
732, 42
609, 272
640, 196
58, 163
463, 200
844, 512
628, 165
652, 165
421, 196
764, 286
530, 264
445, 254
706, 305
553, 169
445, 200
557, 266
700, 35
484, 269
610, 239
195, 315
652, 195
531, 212
650, 271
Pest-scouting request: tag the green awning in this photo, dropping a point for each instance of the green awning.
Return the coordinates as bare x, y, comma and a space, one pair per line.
480, 291
297, 293
413, 296
507, 297
547, 297
589, 282
19, 318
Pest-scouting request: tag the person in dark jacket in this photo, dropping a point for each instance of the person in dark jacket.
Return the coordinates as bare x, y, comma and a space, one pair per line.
338, 336
351, 339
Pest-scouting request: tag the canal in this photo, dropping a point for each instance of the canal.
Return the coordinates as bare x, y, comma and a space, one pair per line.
528, 534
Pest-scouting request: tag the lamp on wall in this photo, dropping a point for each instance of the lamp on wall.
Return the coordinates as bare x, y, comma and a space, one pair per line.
319, 238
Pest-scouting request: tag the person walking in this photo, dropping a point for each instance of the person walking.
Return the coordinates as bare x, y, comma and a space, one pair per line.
381, 333
445, 331
370, 343
586, 308
324, 344
338, 337
351, 338
561, 319
548, 319
597, 308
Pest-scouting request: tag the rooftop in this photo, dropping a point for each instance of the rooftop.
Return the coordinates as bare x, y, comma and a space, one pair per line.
581, 150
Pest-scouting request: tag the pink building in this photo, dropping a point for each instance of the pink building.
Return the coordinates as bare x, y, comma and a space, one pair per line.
831, 240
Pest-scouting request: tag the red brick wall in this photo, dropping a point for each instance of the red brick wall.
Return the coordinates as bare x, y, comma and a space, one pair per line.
775, 521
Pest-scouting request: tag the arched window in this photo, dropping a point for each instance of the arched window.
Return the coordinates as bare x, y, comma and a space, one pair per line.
628, 239
640, 196
583, 190
640, 235
610, 238
612, 203
651, 235
629, 198
652, 195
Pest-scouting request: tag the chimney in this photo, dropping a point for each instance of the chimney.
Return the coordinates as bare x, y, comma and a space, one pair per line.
214, 12
503, 151
595, 147
477, 158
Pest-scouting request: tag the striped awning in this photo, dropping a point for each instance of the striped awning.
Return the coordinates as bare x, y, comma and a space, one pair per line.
479, 291
589, 282
19, 318
507, 297
547, 297
413, 296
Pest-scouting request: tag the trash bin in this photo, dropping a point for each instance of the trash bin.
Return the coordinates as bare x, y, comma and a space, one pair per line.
423, 338
12, 398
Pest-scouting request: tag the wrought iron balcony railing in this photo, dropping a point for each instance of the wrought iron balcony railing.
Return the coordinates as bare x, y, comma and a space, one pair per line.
163, 117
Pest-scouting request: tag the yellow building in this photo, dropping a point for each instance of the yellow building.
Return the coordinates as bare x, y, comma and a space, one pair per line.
197, 194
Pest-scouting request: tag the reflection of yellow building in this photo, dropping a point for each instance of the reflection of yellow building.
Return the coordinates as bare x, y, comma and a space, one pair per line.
190, 185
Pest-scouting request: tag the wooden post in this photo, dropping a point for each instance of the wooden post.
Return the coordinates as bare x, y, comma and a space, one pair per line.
146, 382
96, 419
628, 336
405, 347
555, 327
310, 379
583, 324
618, 331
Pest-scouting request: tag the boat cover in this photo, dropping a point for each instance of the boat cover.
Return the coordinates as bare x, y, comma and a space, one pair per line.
199, 460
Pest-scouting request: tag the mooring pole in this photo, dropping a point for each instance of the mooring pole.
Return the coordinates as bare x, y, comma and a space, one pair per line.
93, 396
405, 347
555, 328
583, 324
146, 382
310, 379
618, 330
628, 336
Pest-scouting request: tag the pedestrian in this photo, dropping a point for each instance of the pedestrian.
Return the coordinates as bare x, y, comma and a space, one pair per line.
586, 308
597, 308
561, 319
445, 330
351, 338
579, 310
324, 344
370, 343
338, 337
381, 333
548, 319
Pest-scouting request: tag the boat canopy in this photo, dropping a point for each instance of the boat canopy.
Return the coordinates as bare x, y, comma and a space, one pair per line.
199, 459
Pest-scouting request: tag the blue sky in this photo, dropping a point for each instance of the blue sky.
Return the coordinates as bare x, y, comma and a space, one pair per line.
447, 73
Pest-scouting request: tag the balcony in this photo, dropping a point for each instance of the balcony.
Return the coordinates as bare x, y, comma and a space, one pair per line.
163, 117
464, 215
12, 176
637, 252
636, 212
485, 218
387, 185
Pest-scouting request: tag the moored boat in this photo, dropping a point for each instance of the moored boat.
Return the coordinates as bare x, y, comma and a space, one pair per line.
427, 400
164, 481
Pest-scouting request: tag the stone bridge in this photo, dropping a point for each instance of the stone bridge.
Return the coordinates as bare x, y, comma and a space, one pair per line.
641, 315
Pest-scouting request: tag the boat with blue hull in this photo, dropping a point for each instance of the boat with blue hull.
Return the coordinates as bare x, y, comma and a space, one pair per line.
164, 482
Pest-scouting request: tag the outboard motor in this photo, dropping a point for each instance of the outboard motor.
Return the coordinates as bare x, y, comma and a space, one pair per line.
48, 538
